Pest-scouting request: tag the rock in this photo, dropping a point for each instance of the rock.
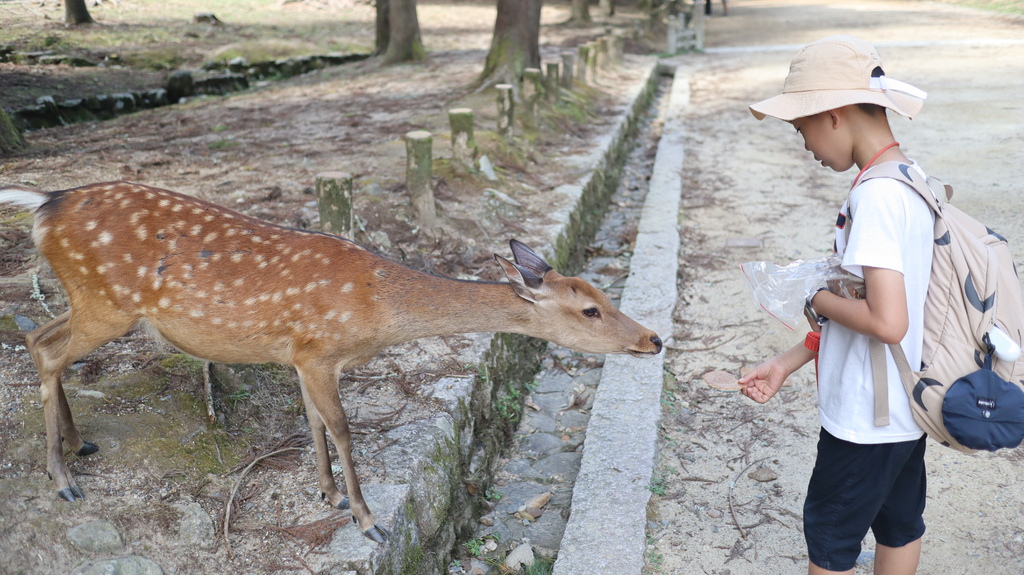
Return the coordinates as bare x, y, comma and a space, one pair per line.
24, 323
91, 393
130, 565
207, 18
195, 528
763, 473
179, 85
487, 168
538, 501
542, 443
487, 521
520, 557
99, 536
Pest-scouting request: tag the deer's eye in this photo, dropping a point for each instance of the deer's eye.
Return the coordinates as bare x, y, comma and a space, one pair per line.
591, 312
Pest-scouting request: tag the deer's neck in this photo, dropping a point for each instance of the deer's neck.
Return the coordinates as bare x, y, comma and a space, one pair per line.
423, 305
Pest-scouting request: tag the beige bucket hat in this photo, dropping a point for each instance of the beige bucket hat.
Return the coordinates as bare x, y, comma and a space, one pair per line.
834, 72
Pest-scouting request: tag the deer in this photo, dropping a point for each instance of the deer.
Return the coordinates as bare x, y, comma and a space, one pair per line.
225, 287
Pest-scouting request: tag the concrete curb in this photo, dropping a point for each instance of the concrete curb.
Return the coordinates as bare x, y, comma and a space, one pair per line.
609, 508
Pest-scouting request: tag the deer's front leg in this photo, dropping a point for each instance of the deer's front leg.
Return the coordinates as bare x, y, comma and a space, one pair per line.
322, 390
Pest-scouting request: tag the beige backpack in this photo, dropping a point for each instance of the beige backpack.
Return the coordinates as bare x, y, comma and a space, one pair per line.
968, 392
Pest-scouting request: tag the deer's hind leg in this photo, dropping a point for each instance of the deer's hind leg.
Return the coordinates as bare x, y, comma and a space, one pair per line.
54, 347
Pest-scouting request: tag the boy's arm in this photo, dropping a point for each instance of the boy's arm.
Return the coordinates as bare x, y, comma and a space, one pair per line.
764, 381
881, 315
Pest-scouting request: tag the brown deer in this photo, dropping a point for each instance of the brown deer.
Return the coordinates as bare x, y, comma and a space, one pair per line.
229, 288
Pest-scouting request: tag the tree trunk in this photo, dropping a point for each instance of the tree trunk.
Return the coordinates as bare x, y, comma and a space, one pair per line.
580, 12
75, 12
515, 44
10, 138
383, 27
404, 42
607, 8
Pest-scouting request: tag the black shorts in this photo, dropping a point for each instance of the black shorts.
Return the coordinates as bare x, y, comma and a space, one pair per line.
856, 487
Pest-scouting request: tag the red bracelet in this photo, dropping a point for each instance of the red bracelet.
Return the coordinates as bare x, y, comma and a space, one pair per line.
813, 341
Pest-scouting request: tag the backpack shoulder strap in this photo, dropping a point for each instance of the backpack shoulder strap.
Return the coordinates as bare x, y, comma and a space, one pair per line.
926, 189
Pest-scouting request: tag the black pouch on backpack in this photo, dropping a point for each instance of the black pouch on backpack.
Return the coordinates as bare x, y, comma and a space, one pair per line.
984, 411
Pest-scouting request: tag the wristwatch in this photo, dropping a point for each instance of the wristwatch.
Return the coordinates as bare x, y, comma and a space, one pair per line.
809, 308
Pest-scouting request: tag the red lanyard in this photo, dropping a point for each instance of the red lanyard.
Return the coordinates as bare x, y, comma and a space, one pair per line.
872, 161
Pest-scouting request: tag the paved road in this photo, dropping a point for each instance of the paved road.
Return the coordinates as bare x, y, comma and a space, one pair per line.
746, 180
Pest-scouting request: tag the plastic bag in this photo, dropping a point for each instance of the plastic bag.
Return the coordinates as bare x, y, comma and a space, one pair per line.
782, 290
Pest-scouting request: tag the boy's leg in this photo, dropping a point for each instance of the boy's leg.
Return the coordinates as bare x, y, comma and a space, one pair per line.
813, 569
897, 560
899, 525
850, 489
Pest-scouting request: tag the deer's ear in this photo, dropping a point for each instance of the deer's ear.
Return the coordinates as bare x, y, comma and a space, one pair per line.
525, 283
526, 258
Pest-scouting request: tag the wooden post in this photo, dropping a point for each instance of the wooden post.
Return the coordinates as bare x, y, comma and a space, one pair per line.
533, 89
506, 110
463, 143
592, 62
419, 161
583, 53
602, 52
551, 80
567, 70
334, 202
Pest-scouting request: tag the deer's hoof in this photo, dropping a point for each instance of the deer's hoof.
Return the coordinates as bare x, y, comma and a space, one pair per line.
88, 449
343, 504
377, 534
72, 493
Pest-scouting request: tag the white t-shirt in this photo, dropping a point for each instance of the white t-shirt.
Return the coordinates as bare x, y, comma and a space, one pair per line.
892, 229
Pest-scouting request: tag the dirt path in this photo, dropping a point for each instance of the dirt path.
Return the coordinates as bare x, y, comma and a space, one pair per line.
754, 180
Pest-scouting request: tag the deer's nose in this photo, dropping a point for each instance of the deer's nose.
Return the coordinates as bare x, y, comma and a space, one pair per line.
657, 343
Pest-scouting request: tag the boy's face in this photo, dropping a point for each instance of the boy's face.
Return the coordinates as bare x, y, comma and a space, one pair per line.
824, 138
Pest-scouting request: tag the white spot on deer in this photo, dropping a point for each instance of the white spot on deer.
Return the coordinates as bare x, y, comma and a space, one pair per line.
381, 273
200, 294
135, 217
284, 249
141, 233
65, 243
164, 203
249, 301
127, 258
90, 226
236, 258
149, 195
177, 208
330, 315
310, 286
256, 239
276, 297
196, 313
262, 265
210, 237
141, 271
300, 255
346, 288
105, 237
164, 302
118, 195
231, 231
345, 316
292, 291
217, 321
209, 218
136, 297
76, 255
232, 324
218, 286
102, 268
196, 229
159, 281
197, 211
216, 257
125, 203
238, 282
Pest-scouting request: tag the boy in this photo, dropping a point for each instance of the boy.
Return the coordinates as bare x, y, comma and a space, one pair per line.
865, 476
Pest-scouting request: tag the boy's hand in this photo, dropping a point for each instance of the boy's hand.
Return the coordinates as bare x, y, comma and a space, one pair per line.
764, 381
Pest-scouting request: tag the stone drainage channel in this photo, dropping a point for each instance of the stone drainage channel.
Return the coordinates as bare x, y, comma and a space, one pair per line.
529, 502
